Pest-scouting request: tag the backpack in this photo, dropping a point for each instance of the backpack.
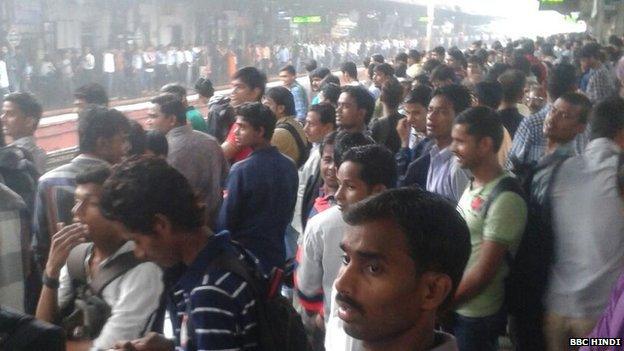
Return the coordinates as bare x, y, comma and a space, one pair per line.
304, 150
18, 172
88, 313
279, 326
221, 116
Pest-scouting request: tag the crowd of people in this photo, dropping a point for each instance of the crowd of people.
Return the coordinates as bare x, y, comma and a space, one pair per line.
135, 71
445, 200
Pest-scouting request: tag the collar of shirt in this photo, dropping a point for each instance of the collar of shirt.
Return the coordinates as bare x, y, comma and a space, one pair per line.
179, 131
197, 269
24, 141
83, 157
440, 155
285, 119
269, 149
603, 143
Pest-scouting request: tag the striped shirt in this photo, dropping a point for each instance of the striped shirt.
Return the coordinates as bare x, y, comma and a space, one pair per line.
54, 201
13, 248
221, 304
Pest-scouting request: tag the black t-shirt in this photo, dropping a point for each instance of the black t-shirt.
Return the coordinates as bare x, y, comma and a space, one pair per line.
511, 119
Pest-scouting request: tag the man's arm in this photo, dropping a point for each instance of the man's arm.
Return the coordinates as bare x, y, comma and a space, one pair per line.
62, 243
481, 274
228, 214
521, 142
309, 274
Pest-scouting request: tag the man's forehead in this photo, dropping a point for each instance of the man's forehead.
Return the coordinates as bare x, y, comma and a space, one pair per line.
381, 237
88, 189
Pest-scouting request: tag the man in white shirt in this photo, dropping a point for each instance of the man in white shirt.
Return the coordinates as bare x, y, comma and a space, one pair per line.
133, 296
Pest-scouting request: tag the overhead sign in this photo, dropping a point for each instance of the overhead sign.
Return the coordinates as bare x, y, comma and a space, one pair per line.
562, 6
307, 19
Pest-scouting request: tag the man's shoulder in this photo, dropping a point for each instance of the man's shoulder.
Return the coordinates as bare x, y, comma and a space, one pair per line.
329, 219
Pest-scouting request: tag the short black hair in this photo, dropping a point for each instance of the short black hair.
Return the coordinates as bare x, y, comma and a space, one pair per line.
414, 55
561, 80
376, 162
331, 92
171, 105
27, 104
350, 69
512, 83
92, 93
290, 69
330, 78
141, 188
439, 50
136, 137
283, 97
391, 93
437, 235
156, 142
580, 100
363, 99
442, 73
400, 69
378, 58
431, 65
384, 68
482, 122
326, 112
458, 56
320, 72
259, 116
329, 139
590, 50
175, 89
252, 77
204, 87
457, 94
311, 65
96, 174
489, 93
607, 118
401, 57
346, 141
496, 70
99, 122
421, 94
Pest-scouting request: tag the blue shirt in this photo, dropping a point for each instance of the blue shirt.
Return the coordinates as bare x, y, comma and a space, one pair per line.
301, 100
260, 198
444, 176
221, 304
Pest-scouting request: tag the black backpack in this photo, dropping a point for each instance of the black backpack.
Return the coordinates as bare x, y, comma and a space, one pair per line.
18, 172
221, 116
279, 326
304, 150
86, 316
24, 333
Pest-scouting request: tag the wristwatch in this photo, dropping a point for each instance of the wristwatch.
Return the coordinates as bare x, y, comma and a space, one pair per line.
52, 283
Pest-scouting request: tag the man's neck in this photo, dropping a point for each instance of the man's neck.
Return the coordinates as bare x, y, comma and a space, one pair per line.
355, 129
506, 105
443, 143
262, 145
486, 172
417, 339
192, 243
107, 248
552, 145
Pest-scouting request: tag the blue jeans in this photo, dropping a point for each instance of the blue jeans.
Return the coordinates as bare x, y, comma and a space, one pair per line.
480, 333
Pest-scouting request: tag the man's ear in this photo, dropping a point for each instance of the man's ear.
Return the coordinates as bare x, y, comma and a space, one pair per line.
435, 287
378, 188
258, 93
102, 145
161, 225
281, 109
485, 143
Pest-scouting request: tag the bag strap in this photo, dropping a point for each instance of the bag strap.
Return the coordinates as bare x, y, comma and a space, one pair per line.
111, 271
300, 144
76, 263
507, 184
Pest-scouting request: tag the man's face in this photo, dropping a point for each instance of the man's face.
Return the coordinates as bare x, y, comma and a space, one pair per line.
79, 105
156, 246
245, 134
440, 117
348, 115
586, 63
113, 150
156, 120
16, 124
416, 116
328, 167
562, 122
465, 147
316, 83
287, 78
277, 110
86, 210
379, 78
379, 292
351, 188
314, 130
242, 93
474, 70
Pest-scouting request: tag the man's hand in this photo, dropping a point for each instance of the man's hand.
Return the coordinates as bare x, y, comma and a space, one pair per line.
151, 342
403, 129
62, 243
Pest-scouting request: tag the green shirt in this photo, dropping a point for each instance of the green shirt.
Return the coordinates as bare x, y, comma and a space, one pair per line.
195, 118
504, 224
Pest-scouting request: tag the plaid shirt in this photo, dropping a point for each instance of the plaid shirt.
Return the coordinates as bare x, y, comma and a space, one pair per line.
529, 143
301, 101
600, 84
